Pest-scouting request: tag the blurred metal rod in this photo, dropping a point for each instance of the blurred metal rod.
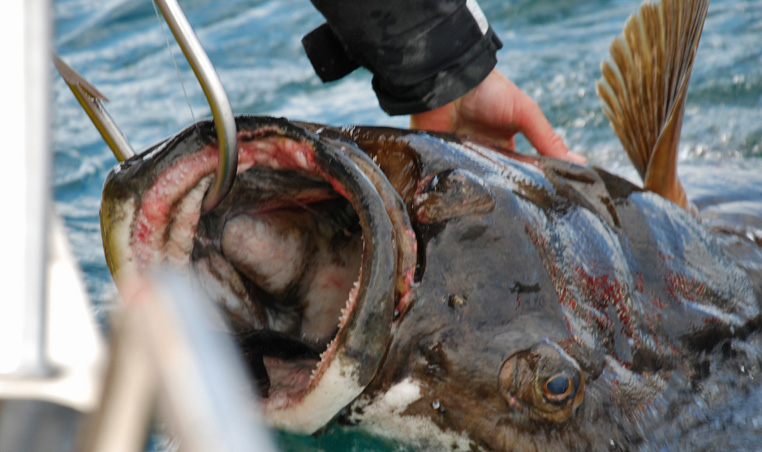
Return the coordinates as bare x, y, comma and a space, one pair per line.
73, 343
49, 352
165, 356
224, 121
26, 188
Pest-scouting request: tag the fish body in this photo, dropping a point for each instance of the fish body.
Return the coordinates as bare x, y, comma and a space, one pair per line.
482, 298
451, 294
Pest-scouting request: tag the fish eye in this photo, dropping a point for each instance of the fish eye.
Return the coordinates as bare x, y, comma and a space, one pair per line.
542, 383
558, 388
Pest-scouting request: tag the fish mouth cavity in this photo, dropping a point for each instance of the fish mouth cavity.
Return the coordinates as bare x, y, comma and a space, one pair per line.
300, 257
290, 249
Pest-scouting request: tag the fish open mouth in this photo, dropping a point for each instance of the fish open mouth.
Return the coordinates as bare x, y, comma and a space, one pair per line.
301, 256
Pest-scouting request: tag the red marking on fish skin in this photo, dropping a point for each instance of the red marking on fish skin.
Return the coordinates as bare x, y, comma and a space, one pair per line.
604, 324
566, 299
406, 292
142, 231
598, 289
419, 196
334, 183
624, 317
404, 304
675, 351
168, 189
336, 186
597, 292
603, 293
556, 276
681, 287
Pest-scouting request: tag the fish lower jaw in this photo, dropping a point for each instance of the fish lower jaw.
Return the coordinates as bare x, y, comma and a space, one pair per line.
326, 396
332, 385
303, 394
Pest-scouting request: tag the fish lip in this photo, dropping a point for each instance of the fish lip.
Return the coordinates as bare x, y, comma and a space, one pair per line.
357, 350
404, 235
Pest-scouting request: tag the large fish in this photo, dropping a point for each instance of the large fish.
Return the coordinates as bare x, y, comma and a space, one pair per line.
440, 291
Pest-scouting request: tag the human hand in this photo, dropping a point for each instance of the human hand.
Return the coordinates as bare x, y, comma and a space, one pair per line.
496, 110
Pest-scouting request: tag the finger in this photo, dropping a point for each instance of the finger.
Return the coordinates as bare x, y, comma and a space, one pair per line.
533, 124
511, 144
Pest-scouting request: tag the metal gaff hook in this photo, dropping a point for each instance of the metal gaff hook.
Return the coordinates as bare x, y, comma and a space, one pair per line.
224, 121
91, 101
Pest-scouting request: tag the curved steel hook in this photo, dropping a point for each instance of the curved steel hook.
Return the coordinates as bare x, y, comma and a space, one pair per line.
224, 121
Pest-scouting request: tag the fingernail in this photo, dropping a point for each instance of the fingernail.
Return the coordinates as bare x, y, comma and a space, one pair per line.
576, 158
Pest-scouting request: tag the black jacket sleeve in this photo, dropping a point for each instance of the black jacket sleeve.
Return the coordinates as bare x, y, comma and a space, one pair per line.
423, 53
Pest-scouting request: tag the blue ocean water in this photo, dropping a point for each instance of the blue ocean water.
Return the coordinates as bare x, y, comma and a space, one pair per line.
553, 50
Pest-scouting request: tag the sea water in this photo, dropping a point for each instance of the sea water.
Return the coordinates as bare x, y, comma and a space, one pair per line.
552, 50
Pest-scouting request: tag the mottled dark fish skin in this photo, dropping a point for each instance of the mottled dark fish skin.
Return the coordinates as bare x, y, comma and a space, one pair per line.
626, 283
548, 266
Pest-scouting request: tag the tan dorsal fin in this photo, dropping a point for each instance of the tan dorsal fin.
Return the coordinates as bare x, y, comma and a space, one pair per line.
644, 88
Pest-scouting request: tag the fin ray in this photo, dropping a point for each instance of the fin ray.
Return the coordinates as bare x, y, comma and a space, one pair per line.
644, 88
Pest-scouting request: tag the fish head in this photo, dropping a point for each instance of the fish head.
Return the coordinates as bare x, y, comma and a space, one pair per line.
300, 258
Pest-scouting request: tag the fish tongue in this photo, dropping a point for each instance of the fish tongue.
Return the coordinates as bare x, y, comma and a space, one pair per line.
278, 361
270, 249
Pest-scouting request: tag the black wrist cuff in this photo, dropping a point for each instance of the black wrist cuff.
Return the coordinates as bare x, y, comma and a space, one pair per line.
327, 54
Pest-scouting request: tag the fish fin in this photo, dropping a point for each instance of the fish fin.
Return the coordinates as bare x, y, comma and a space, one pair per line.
643, 90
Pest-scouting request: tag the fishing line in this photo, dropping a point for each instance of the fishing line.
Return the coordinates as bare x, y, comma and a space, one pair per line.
177, 68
